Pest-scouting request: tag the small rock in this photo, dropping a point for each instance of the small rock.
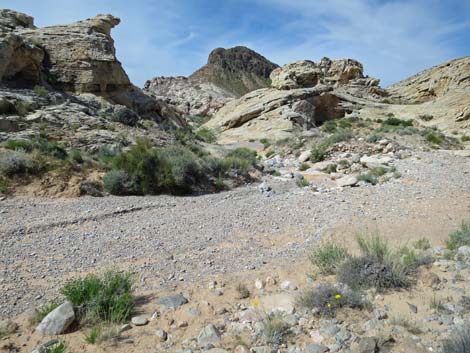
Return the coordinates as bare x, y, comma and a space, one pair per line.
349, 180
259, 284
316, 348
287, 285
162, 335
173, 301
125, 327
139, 321
208, 334
304, 156
380, 314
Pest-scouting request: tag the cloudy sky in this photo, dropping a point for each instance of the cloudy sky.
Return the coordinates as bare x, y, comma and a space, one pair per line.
392, 38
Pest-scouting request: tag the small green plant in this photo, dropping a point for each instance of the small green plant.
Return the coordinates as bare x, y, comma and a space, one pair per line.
327, 258
422, 244
118, 182
243, 291
270, 153
345, 124
275, 329
99, 334
329, 126
339, 136
330, 168
344, 163
96, 299
434, 138
460, 237
465, 138
18, 163
57, 348
4, 184
304, 166
302, 183
266, 143
41, 91
459, 342
20, 144
125, 116
327, 298
426, 117
93, 335
206, 135
318, 152
397, 122
408, 324
76, 156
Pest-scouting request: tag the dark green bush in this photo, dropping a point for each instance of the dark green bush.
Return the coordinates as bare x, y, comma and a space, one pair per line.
41, 91
125, 116
319, 152
329, 126
460, 237
118, 182
76, 156
206, 135
434, 138
327, 298
20, 144
397, 122
330, 168
107, 298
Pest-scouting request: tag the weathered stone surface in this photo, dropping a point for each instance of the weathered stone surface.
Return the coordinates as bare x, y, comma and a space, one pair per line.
349, 180
208, 334
57, 321
173, 301
81, 55
10, 20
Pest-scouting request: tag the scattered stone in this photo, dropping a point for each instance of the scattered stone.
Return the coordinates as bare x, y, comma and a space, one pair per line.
259, 284
316, 348
208, 334
173, 301
139, 321
349, 180
125, 327
57, 321
162, 335
304, 156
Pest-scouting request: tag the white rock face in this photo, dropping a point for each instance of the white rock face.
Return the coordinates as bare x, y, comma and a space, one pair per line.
349, 180
57, 321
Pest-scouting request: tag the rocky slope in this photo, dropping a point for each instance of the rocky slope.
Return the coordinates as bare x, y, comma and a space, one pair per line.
228, 74
305, 94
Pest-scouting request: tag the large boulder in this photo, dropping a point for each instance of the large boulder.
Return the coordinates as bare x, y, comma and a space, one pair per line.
81, 56
57, 321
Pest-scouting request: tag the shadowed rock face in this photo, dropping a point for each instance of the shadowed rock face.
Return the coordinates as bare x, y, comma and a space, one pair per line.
81, 56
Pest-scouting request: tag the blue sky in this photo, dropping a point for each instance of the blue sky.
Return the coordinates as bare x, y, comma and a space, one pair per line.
392, 38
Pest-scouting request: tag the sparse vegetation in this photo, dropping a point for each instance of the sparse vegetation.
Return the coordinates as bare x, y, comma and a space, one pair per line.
19, 163
460, 237
302, 183
41, 91
327, 298
275, 329
125, 116
327, 258
243, 291
422, 244
57, 348
434, 138
43, 311
206, 135
96, 299
304, 166
330, 168
465, 138
407, 323
392, 121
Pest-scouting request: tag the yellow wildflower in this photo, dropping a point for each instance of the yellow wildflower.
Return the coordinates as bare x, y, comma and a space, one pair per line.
255, 303
338, 296
328, 305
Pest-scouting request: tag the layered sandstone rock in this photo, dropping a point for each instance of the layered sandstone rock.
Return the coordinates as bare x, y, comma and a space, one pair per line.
81, 56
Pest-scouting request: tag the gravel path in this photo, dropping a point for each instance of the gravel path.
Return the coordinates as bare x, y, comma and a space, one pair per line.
169, 240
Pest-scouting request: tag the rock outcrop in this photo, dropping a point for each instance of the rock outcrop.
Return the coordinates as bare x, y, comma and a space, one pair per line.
228, 74
81, 56
303, 95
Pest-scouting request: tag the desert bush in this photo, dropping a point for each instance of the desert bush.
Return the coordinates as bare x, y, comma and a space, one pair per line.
96, 299
397, 122
240, 160
459, 342
304, 166
274, 329
118, 182
243, 291
465, 138
319, 152
345, 123
426, 117
339, 136
302, 183
266, 143
329, 126
422, 244
99, 334
18, 163
434, 138
41, 91
372, 176
206, 135
125, 116
76, 156
370, 272
327, 258
3, 185
330, 168
327, 298
459, 237
59, 347
19, 144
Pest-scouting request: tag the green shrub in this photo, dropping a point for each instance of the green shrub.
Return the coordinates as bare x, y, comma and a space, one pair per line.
99, 334
329, 126
422, 244
327, 258
243, 291
20, 144
397, 122
206, 135
374, 137
302, 183
434, 138
372, 245
304, 166
3, 185
459, 342
244, 153
57, 348
22, 108
76, 156
318, 152
125, 116
344, 163
339, 136
330, 168
345, 123
41, 91
460, 237
426, 117
368, 178
270, 153
327, 298
266, 143
18, 163
274, 329
465, 138
96, 299
185, 136
118, 182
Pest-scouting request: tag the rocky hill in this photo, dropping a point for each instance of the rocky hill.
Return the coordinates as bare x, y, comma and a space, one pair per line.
305, 94
228, 74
